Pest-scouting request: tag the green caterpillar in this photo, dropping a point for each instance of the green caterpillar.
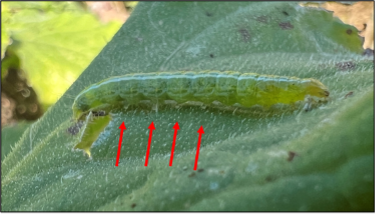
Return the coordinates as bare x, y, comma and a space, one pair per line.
229, 88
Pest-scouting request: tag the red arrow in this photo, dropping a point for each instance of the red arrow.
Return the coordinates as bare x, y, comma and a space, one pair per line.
200, 132
151, 127
122, 128
176, 127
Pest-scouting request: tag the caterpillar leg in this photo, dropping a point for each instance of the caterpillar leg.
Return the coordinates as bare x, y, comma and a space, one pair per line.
311, 102
308, 102
155, 107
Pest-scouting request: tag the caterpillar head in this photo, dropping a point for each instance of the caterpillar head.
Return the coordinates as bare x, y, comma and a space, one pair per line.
78, 114
80, 107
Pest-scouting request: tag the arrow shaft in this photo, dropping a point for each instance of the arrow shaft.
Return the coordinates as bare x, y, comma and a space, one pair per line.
119, 147
198, 151
148, 149
173, 147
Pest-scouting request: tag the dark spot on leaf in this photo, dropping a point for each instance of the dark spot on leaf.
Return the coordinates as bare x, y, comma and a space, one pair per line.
286, 25
349, 31
262, 19
349, 94
270, 178
369, 52
211, 55
200, 170
291, 156
345, 66
208, 14
133, 205
192, 175
284, 12
222, 172
245, 34
74, 129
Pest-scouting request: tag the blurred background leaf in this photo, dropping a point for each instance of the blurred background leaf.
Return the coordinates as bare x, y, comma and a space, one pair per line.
358, 14
53, 43
319, 160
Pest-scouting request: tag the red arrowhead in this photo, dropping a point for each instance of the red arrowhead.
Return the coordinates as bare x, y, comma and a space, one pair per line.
176, 126
201, 130
122, 126
151, 127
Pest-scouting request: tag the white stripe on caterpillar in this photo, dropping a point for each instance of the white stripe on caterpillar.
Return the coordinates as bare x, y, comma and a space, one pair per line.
229, 88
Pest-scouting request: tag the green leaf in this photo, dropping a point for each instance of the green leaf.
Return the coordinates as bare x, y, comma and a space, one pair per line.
5, 40
302, 161
10, 135
56, 41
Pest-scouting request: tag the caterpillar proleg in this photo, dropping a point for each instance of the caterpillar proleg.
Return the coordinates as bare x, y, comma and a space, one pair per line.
228, 88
